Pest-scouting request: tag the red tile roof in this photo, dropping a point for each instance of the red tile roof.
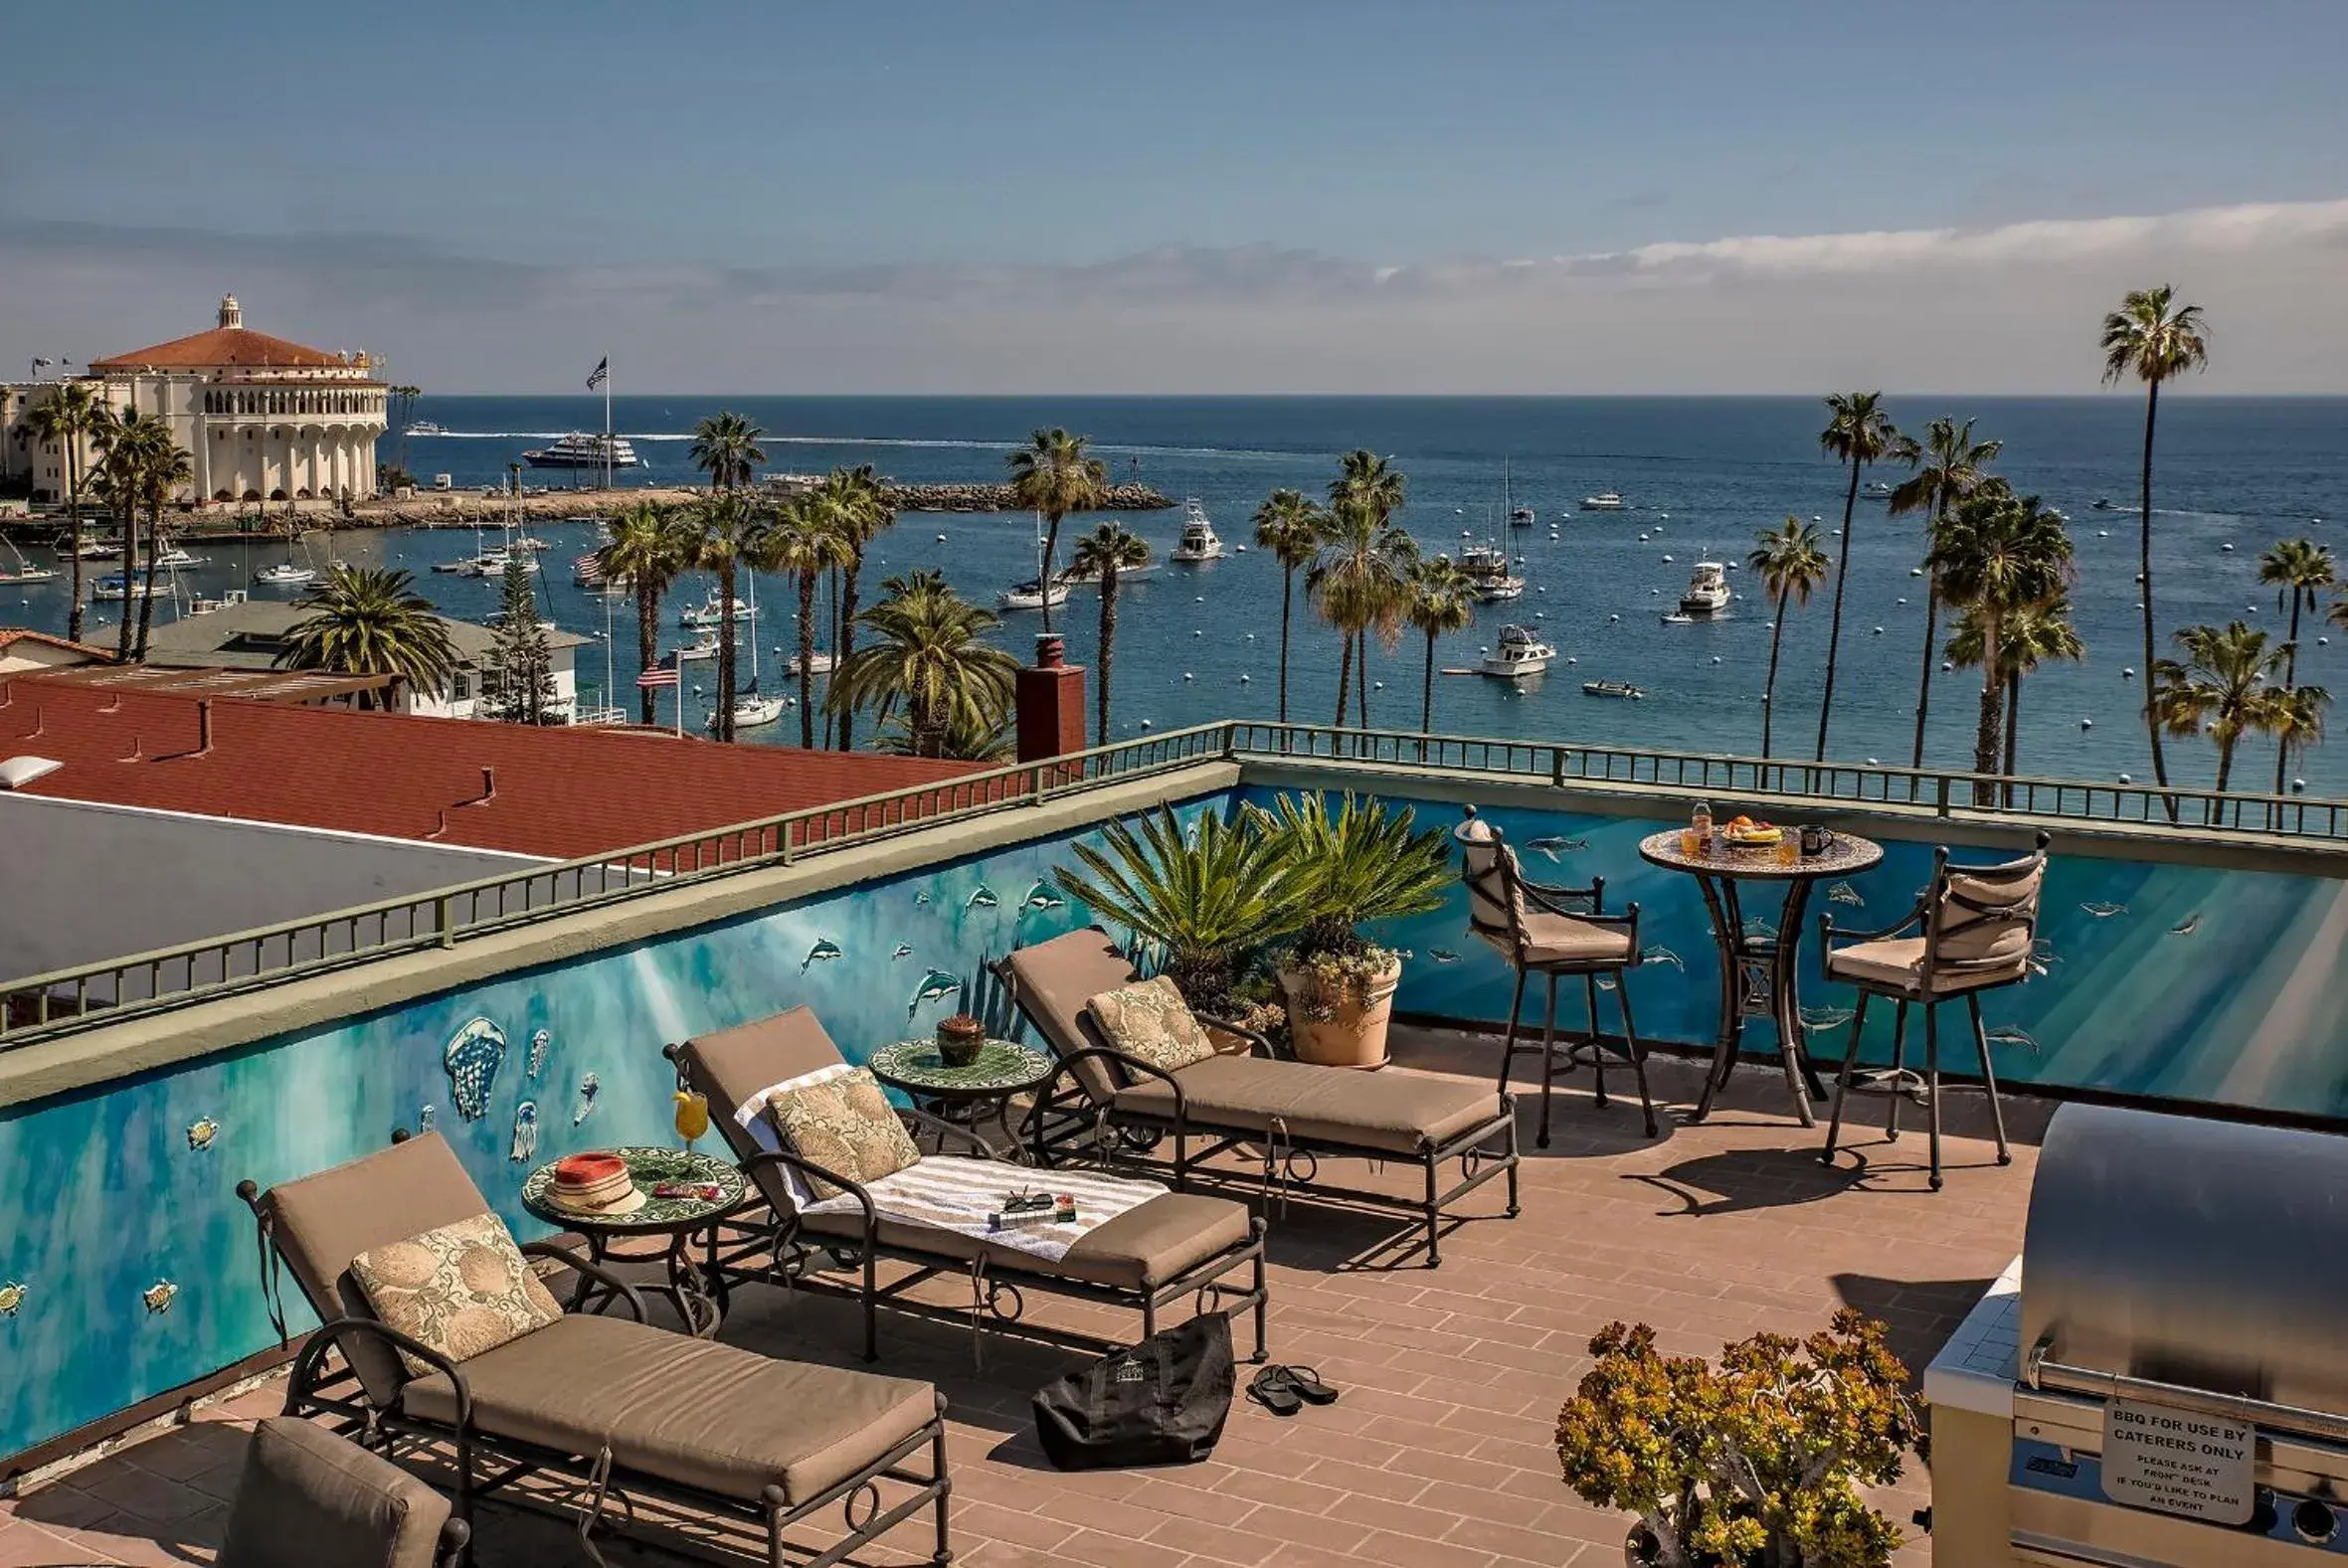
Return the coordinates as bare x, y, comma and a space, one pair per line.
239, 346
10, 637
559, 793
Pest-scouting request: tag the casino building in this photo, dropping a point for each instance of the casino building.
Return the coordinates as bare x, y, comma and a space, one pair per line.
262, 419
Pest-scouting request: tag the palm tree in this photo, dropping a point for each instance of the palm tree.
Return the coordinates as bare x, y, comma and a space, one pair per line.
1951, 465
72, 414
1857, 433
1996, 556
1292, 527
1791, 564
1105, 553
1356, 580
142, 466
1442, 599
1053, 475
2298, 720
2031, 637
365, 620
860, 512
647, 550
2155, 338
403, 413
726, 448
2300, 570
724, 526
805, 538
2221, 687
931, 665
164, 467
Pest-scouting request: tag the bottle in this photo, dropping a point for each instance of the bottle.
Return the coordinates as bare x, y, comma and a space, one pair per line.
1698, 838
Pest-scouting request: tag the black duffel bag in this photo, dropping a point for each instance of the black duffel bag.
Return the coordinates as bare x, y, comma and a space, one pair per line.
1163, 1401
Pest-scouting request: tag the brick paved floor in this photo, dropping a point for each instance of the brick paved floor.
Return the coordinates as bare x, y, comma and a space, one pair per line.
1439, 1452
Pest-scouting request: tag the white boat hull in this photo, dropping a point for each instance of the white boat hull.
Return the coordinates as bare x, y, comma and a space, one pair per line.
1518, 669
1016, 599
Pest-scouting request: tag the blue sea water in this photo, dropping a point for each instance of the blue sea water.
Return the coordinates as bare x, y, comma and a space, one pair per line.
1702, 474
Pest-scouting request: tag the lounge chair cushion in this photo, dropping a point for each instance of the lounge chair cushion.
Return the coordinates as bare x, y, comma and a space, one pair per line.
312, 1500
1898, 964
1562, 939
690, 1411
1142, 1247
1054, 982
460, 1288
1149, 1021
1396, 1109
846, 1124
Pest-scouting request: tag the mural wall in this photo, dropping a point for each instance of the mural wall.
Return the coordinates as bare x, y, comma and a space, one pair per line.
127, 1264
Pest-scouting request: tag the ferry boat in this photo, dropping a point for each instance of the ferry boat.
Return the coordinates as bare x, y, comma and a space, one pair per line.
1031, 595
1603, 501
423, 428
1519, 653
1708, 590
1198, 541
1612, 689
583, 450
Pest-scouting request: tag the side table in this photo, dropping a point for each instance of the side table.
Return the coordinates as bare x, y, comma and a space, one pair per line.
1003, 1069
696, 1287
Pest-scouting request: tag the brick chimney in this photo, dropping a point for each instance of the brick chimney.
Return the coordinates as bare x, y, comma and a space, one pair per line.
1050, 696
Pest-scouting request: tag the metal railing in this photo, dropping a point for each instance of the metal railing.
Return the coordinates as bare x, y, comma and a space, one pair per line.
45, 1004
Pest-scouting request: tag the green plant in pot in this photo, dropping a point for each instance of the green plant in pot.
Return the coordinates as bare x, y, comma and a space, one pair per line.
1753, 1463
1207, 899
1360, 863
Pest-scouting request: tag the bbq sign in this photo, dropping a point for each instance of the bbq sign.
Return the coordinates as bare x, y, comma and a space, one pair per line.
2178, 1462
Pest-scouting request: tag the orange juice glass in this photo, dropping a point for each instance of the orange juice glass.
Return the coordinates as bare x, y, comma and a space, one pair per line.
692, 1117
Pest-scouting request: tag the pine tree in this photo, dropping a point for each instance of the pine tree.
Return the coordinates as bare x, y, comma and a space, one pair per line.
521, 665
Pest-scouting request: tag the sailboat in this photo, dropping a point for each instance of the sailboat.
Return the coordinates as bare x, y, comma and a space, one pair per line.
1035, 593
24, 570
288, 573
751, 710
1519, 516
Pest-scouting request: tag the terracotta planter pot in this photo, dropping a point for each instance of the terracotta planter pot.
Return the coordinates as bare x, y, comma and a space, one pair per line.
1356, 1035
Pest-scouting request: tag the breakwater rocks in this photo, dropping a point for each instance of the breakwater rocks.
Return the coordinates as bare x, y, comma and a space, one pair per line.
998, 498
463, 508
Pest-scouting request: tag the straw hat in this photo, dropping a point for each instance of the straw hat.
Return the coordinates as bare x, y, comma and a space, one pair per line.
596, 1186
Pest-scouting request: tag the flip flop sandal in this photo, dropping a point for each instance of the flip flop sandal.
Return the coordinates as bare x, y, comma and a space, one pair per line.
1309, 1387
1272, 1389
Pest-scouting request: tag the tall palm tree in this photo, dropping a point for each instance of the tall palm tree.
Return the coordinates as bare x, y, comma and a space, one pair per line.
1106, 553
1996, 556
647, 550
1054, 475
2154, 338
805, 538
403, 413
857, 504
726, 448
1292, 527
1356, 580
724, 526
2222, 687
1791, 566
164, 467
2300, 570
1442, 599
2032, 636
142, 466
930, 664
366, 620
1951, 467
1857, 433
73, 416
2298, 720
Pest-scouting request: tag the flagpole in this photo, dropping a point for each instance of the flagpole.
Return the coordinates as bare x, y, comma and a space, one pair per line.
607, 423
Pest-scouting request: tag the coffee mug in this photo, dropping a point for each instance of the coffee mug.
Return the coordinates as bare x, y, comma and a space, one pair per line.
1816, 841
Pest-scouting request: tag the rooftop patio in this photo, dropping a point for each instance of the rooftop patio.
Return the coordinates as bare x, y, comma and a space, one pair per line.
1439, 1451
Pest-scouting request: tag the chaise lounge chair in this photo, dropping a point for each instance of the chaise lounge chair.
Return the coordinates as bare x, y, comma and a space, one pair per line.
618, 1406
1284, 1107
1172, 1246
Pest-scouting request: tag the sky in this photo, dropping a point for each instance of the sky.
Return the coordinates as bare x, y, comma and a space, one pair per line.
1676, 196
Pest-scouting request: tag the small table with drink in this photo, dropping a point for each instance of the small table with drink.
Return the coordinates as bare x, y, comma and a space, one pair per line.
607, 1195
1759, 963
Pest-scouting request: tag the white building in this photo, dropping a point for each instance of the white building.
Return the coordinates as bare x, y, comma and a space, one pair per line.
262, 419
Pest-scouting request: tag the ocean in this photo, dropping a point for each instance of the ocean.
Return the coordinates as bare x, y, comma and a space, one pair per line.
1700, 475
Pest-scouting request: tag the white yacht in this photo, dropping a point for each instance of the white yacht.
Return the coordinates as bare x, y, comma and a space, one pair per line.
23, 571
1708, 590
285, 574
1031, 595
711, 611
1198, 541
174, 556
492, 563
1603, 501
1487, 566
122, 588
423, 428
1519, 653
583, 450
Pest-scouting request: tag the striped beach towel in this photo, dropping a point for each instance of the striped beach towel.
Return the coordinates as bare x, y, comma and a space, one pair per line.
951, 1193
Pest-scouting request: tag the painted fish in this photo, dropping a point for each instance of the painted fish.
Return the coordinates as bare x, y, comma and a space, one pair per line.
2007, 1034
1659, 953
540, 1042
525, 1133
1607, 982
983, 898
200, 1133
423, 1119
1443, 955
12, 1296
1554, 847
1825, 1018
935, 985
1844, 893
921, 895
823, 951
2104, 910
904, 951
1758, 926
1042, 899
590, 1085
471, 1060
2187, 925
160, 1295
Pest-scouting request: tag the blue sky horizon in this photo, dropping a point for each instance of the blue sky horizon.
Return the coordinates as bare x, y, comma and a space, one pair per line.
1307, 198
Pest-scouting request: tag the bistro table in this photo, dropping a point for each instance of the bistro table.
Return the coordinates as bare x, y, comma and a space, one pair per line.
697, 1288
1003, 1069
1760, 967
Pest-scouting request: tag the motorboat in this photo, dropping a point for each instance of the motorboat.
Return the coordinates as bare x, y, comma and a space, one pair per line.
1519, 516
581, 449
285, 574
121, 587
1031, 595
174, 556
423, 428
1522, 517
1498, 589
532, 544
1486, 567
1519, 653
24, 570
711, 611
91, 550
1605, 501
1622, 689
1708, 590
1199, 542
493, 563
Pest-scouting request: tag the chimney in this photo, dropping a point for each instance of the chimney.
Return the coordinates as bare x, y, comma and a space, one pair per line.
204, 728
1051, 699
489, 786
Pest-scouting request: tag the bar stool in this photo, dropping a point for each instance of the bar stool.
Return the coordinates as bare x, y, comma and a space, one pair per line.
1976, 926
1533, 928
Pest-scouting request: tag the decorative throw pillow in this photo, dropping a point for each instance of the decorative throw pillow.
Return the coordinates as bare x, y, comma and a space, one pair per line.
461, 1288
1152, 1022
846, 1124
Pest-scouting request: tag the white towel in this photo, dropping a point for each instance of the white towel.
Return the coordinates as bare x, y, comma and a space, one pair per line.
951, 1193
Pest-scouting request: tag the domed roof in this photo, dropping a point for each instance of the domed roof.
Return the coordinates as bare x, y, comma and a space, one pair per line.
231, 343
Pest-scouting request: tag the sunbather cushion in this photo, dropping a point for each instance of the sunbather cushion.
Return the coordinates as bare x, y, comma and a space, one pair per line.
1394, 1109
1052, 980
1149, 1021
1146, 1246
846, 1124
460, 1288
690, 1411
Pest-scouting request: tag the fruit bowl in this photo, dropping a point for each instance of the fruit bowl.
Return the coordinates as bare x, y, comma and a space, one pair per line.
1746, 834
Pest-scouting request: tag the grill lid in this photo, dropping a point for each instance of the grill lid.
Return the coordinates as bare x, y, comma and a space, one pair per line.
2207, 1253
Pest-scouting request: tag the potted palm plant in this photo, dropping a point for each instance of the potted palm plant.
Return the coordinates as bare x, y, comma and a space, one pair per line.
1360, 863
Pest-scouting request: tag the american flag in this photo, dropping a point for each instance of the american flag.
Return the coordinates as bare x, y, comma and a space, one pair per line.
603, 370
655, 679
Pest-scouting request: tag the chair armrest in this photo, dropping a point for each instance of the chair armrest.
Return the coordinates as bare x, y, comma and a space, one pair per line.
300, 1386
1258, 1042
1065, 1068
580, 1263
1827, 930
455, 1536
924, 1122
808, 1167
